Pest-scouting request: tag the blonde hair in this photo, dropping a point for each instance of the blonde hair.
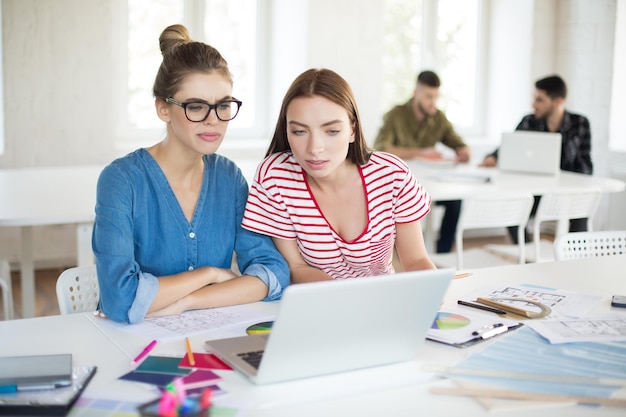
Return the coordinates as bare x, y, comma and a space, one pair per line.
183, 56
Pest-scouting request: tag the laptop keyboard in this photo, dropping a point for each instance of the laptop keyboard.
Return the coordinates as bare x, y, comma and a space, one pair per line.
252, 358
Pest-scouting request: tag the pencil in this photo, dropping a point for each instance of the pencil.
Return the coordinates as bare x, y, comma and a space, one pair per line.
192, 360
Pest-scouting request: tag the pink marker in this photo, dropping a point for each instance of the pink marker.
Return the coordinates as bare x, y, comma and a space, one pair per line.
143, 354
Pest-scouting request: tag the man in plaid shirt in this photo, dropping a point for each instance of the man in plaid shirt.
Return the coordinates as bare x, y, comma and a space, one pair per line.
550, 116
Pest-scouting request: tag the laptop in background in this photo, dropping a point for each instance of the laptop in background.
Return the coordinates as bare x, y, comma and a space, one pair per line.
340, 325
530, 152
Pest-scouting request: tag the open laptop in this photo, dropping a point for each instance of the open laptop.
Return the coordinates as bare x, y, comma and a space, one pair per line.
530, 152
340, 325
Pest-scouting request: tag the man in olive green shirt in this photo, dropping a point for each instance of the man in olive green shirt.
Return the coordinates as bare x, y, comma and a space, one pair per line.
412, 130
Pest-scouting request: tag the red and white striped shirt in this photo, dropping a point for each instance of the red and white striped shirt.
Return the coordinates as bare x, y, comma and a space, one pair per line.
281, 205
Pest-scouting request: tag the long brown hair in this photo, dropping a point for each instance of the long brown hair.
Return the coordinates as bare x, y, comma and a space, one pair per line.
330, 85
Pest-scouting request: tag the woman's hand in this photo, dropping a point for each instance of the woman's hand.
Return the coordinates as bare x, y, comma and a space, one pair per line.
177, 307
217, 275
489, 161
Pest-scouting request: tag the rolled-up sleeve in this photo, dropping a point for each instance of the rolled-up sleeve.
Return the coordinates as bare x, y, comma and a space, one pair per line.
147, 288
256, 253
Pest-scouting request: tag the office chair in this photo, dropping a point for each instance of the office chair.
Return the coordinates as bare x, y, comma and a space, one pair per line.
577, 245
489, 211
78, 290
7, 291
560, 206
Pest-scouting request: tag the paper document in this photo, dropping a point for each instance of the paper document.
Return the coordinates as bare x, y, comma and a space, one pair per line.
525, 361
605, 328
563, 303
214, 323
461, 176
461, 327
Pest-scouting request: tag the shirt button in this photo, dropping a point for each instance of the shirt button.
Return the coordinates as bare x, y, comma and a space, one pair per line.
192, 235
190, 268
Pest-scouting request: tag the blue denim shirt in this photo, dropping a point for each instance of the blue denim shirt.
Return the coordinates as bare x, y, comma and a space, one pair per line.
141, 233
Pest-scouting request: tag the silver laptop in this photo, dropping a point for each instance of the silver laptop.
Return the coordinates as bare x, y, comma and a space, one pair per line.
334, 326
530, 152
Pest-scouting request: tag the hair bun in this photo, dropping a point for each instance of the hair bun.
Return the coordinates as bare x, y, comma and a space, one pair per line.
173, 36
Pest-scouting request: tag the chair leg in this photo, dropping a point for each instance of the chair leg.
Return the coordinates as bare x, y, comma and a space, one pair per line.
459, 251
522, 244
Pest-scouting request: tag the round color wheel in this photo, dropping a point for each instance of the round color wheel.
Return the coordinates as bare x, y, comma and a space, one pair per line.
260, 328
449, 321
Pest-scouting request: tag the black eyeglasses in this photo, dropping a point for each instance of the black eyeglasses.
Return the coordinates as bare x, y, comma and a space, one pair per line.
198, 111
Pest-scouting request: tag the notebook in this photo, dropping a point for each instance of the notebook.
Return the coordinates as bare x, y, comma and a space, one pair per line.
35, 372
530, 152
47, 402
334, 326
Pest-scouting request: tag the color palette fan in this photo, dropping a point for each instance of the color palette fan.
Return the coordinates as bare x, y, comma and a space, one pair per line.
260, 328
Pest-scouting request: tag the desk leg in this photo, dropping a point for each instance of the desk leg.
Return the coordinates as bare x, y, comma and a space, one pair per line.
428, 232
27, 271
84, 254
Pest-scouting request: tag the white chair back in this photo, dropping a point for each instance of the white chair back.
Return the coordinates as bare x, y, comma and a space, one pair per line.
563, 206
78, 290
489, 211
590, 244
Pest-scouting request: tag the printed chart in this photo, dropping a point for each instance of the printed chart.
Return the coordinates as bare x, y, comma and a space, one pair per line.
449, 321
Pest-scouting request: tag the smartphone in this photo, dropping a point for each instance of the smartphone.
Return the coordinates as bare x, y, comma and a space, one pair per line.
618, 301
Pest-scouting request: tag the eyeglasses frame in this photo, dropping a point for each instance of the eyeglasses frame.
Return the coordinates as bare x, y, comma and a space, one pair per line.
184, 104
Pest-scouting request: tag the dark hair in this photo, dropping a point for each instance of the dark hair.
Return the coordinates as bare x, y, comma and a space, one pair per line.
554, 86
429, 78
181, 57
330, 85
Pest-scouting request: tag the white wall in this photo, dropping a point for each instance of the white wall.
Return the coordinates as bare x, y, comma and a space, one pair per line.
57, 79
59, 76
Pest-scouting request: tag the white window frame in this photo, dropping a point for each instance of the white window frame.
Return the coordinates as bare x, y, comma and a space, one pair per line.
1, 90
478, 129
617, 130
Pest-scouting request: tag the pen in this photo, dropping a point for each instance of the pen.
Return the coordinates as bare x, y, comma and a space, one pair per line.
192, 360
481, 307
490, 330
143, 354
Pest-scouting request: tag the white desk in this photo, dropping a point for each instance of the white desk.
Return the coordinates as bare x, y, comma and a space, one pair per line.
394, 390
46, 196
448, 188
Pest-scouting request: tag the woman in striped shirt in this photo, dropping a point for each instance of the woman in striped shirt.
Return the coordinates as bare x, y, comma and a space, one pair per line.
334, 208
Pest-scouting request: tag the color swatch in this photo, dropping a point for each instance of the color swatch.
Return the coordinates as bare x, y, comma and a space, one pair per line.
449, 321
260, 328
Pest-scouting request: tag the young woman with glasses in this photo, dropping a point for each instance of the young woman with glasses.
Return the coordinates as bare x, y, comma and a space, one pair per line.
168, 217
334, 208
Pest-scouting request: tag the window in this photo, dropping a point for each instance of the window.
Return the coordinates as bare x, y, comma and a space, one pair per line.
617, 129
146, 21
441, 35
234, 27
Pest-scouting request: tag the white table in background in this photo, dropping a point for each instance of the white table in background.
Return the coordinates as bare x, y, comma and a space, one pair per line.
456, 182
47, 196
393, 390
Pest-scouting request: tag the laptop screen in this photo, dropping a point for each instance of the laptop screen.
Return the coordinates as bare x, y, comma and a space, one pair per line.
530, 152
